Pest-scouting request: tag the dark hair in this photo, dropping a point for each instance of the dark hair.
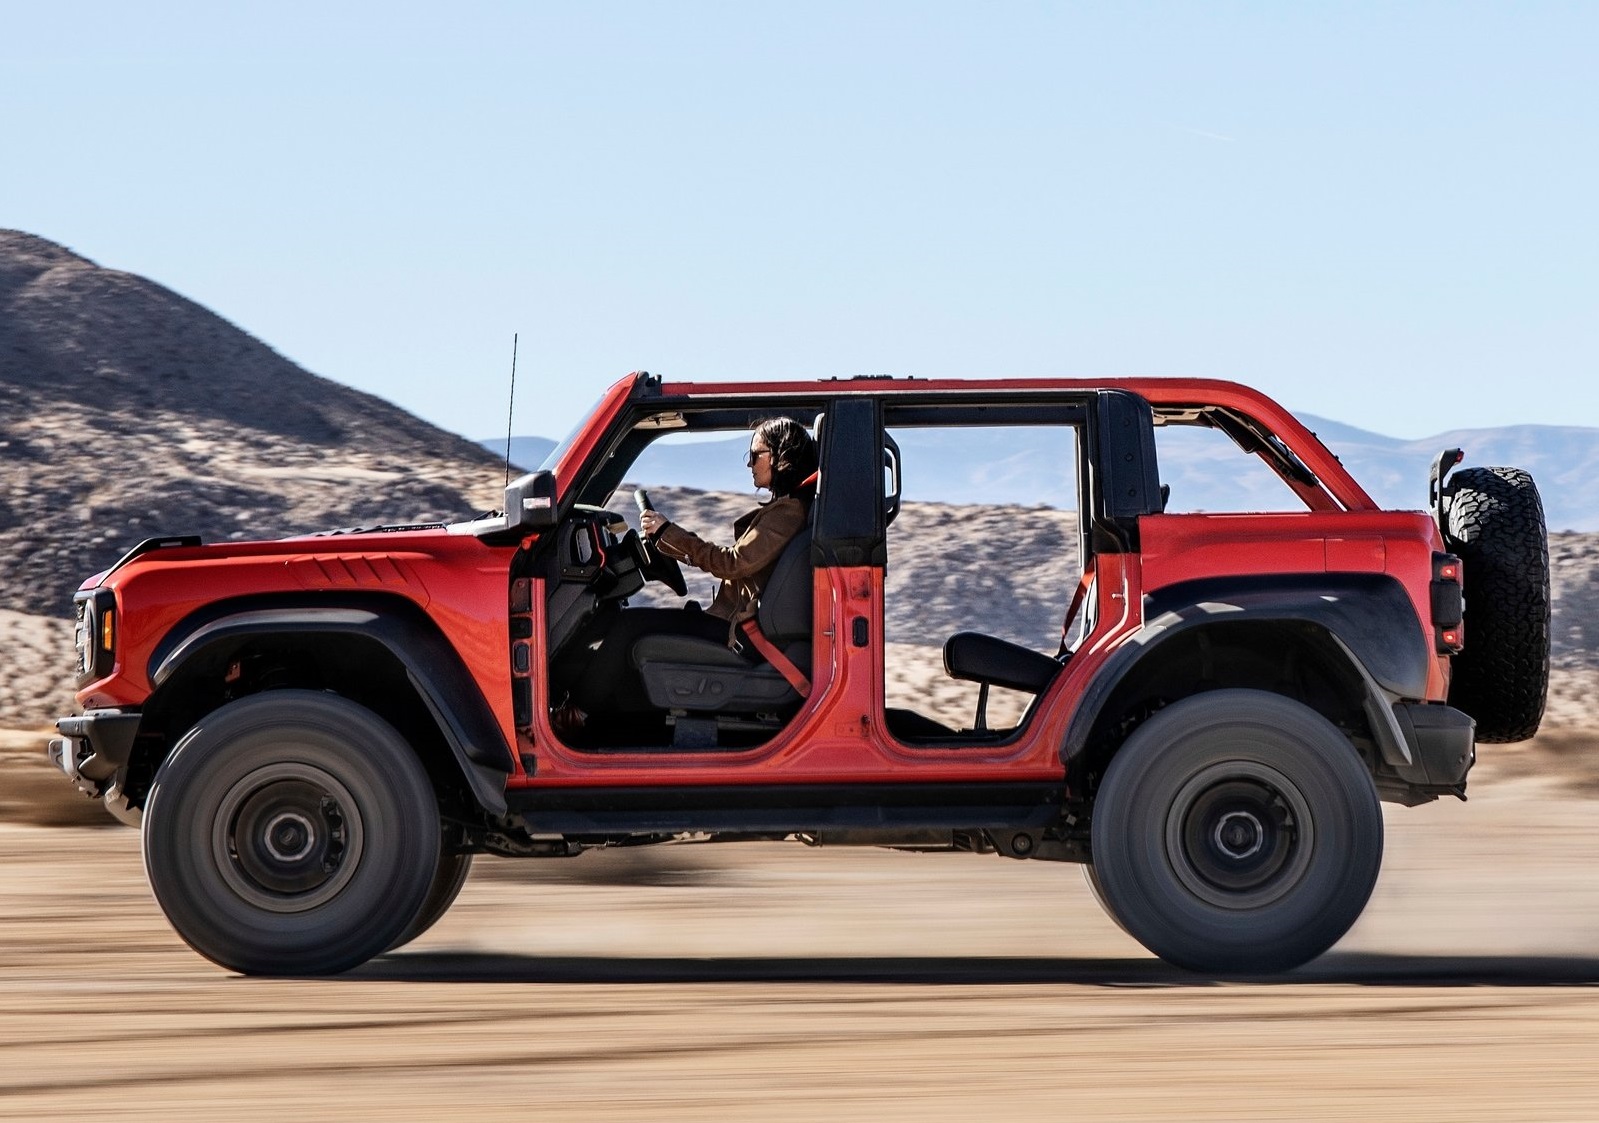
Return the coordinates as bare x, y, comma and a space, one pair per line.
793, 456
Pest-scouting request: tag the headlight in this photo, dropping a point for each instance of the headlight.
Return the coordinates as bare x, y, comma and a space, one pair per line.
80, 635
94, 634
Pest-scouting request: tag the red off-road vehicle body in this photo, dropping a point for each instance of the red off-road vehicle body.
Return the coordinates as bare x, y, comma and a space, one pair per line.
445, 635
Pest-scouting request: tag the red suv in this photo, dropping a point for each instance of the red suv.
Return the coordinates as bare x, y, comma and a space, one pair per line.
319, 733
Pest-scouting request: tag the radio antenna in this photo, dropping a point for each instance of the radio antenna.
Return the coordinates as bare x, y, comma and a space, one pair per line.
510, 412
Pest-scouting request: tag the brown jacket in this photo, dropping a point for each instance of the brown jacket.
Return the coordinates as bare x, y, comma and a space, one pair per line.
745, 566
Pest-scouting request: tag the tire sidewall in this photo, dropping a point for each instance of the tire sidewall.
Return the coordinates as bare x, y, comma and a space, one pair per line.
1250, 733
447, 884
399, 830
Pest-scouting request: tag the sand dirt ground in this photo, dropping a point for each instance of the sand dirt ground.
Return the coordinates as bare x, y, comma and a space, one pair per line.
777, 983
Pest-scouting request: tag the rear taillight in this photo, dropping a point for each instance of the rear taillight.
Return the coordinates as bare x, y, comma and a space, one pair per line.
1448, 605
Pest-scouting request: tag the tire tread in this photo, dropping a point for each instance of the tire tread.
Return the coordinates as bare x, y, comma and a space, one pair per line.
1494, 522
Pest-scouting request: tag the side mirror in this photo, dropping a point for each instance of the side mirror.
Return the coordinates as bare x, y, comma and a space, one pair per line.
530, 502
529, 506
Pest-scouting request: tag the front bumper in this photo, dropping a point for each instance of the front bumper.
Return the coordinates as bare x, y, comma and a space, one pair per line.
94, 748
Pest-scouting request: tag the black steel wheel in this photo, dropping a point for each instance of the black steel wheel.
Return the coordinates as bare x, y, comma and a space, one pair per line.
291, 833
1236, 832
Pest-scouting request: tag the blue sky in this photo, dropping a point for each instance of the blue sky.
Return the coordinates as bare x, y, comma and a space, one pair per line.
1383, 214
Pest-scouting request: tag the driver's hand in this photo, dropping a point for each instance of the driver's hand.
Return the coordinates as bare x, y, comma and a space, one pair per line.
650, 522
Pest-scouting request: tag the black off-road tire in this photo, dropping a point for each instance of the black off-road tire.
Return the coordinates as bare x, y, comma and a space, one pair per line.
291, 833
447, 882
1493, 519
1236, 832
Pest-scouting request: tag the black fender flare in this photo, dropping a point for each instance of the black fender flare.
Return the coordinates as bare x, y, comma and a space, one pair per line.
1369, 616
431, 663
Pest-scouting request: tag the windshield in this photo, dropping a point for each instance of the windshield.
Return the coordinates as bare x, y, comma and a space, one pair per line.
558, 453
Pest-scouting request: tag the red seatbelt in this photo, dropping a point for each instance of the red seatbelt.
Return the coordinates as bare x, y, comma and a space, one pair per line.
785, 666
1077, 602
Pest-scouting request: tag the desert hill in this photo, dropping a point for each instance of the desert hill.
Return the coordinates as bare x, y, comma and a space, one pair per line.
128, 411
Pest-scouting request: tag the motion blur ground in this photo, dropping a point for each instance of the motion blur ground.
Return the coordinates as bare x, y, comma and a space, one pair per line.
774, 982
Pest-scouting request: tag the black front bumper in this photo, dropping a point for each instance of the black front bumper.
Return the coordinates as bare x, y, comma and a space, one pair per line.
94, 747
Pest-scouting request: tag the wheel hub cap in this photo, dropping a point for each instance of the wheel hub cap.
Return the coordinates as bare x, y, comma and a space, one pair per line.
287, 837
290, 837
1239, 834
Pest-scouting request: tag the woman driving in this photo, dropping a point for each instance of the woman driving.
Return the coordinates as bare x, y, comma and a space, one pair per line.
782, 460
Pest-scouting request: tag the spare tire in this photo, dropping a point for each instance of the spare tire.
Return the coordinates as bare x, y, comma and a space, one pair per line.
1493, 520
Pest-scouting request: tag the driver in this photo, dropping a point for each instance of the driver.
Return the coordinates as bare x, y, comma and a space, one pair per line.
602, 680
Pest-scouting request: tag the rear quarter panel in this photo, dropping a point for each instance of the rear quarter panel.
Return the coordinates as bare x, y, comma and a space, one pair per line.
1400, 544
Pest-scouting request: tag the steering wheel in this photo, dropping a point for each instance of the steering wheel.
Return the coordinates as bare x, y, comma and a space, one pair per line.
652, 563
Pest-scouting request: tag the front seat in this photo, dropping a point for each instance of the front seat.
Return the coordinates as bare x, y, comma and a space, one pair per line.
708, 689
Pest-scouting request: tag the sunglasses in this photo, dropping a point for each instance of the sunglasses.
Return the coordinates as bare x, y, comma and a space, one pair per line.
756, 454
